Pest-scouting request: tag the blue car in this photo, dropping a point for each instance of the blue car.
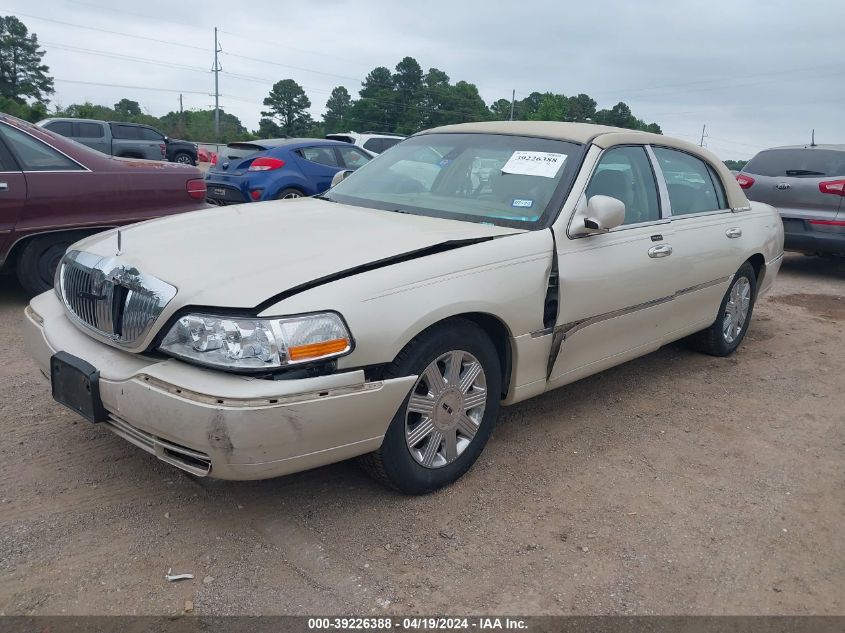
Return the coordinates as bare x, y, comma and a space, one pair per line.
278, 168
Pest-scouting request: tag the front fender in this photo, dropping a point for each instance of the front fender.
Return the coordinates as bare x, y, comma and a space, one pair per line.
506, 278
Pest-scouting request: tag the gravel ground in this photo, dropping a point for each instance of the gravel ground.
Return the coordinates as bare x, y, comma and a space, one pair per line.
674, 484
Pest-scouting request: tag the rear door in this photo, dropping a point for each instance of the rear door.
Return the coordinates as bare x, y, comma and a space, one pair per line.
800, 182
319, 165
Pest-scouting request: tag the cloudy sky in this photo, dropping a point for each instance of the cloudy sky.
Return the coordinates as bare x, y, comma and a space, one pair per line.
758, 73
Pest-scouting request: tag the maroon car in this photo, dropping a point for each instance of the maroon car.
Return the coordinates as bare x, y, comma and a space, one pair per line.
54, 191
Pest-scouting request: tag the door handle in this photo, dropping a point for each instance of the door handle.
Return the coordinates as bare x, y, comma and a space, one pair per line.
4, 186
661, 250
734, 232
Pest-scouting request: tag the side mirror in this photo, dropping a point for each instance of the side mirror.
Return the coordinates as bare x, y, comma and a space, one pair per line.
341, 176
598, 215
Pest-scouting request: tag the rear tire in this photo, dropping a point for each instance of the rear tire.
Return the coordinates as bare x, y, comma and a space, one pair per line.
423, 452
725, 335
37, 263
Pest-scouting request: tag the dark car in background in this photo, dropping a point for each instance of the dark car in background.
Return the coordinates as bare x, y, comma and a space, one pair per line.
806, 183
54, 192
127, 140
272, 169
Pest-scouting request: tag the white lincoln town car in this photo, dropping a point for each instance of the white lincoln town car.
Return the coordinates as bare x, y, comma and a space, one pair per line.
468, 267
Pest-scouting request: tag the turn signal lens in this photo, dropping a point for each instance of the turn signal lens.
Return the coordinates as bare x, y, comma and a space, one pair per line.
318, 350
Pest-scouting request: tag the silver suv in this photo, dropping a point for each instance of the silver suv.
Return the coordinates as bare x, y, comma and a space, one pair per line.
806, 183
374, 142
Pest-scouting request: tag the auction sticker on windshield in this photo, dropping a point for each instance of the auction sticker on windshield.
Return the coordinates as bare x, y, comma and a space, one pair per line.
545, 164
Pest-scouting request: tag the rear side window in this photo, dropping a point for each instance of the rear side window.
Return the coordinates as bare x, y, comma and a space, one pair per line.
797, 163
65, 128
375, 145
693, 185
352, 157
387, 143
321, 155
625, 173
35, 155
129, 132
90, 130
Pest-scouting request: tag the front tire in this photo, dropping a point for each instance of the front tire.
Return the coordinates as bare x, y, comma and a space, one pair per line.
443, 424
725, 335
183, 158
289, 194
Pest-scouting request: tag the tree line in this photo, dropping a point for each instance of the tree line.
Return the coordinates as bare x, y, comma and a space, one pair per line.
403, 101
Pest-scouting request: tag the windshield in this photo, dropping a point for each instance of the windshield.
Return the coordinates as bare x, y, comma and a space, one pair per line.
498, 179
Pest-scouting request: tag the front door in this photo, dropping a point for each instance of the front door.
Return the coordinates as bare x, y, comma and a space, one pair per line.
615, 287
12, 198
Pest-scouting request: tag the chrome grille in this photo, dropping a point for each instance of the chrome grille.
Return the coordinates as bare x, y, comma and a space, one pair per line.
111, 299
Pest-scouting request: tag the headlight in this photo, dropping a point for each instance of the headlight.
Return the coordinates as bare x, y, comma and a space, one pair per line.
251, 344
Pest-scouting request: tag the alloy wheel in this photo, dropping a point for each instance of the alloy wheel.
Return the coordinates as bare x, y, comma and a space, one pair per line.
736, 309
445, 409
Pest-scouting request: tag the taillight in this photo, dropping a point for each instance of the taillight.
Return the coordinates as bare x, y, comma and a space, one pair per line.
163, 149
266, 163
835, 187
213, 158
744, 181
196, 188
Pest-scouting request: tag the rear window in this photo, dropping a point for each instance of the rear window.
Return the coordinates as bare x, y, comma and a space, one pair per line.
798, 163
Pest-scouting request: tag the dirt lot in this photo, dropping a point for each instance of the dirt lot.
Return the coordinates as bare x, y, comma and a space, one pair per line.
677, 483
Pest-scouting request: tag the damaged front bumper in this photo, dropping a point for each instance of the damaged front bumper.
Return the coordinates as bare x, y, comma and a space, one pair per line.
221, 425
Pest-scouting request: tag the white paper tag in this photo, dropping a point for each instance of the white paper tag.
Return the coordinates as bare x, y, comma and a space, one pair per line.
545, 164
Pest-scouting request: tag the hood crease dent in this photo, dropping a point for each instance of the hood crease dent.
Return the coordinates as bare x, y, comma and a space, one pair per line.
249, 257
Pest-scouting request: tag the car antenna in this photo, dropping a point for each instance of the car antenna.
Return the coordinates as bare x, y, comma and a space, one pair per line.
119, 242
813, 138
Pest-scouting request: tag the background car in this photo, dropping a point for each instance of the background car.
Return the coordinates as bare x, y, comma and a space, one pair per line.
129, 140
54, 192
271, 169
806, 183
373, 142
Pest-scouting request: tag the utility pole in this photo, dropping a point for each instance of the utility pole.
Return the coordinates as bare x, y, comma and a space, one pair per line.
216, 70
703, 135
813, 138
513, 98
181, 109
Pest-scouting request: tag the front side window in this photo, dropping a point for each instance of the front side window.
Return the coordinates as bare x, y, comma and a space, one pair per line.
90, 130
352, 157
491, 178
126, 132
34, 155
625, 173
149, 134
693, 185
321, 155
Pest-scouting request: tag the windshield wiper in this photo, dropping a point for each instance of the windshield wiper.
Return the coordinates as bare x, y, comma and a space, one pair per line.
803, 172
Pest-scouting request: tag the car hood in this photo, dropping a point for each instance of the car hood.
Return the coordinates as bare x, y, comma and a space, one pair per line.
241, 256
